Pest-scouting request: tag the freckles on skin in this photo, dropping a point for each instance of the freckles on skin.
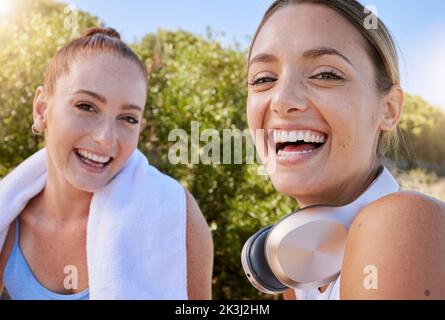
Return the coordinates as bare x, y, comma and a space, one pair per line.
342, 109
124, 80
102, 128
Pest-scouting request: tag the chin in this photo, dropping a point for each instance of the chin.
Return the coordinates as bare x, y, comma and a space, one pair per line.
88, 179
285, 183
89, 185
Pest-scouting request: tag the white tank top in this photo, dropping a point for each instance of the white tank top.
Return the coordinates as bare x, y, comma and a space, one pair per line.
331, 293
385, 184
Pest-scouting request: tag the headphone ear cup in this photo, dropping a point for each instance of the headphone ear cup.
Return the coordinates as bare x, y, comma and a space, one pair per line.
255, 264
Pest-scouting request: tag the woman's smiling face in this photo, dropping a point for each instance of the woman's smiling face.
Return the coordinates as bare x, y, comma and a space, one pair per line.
93, 120
309, 71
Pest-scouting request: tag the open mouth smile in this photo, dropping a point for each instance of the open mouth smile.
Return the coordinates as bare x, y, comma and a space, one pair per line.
92, 160
294, 146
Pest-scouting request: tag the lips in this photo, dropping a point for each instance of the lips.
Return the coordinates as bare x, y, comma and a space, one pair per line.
294, 146
92, 159
291, 156
287, 149
289, 141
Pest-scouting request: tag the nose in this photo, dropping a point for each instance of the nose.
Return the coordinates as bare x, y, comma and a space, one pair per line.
104, 134
288, 98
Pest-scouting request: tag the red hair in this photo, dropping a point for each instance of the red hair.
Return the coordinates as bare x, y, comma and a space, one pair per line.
94, 40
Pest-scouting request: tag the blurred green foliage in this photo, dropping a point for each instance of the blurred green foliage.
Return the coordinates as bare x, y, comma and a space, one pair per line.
28, 40
191, 79
424, 127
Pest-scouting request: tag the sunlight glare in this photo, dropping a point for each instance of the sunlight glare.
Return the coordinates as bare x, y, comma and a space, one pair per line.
5, 7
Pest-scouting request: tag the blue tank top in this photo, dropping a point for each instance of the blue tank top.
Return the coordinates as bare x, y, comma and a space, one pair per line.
20, 282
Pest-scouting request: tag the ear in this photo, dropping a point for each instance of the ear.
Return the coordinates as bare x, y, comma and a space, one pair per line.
393, 104
39, 109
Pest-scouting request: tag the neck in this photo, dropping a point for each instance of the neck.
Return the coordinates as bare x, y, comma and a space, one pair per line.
344, 194
63, 203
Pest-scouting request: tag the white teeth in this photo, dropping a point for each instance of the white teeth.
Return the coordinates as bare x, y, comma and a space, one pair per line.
281, 136
285, 154
93, 157
300, 135
293, 136
284, 136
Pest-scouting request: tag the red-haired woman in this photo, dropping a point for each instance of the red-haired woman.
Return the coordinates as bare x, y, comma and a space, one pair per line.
146, 240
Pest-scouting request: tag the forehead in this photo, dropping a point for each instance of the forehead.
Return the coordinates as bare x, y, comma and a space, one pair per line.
108, 74
296, 28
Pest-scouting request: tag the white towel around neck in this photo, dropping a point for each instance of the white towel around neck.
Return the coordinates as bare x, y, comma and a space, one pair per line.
136, 232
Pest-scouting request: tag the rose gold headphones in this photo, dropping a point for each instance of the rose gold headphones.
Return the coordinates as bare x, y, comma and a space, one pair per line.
305, 249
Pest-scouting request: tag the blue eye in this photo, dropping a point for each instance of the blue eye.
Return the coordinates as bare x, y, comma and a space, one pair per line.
328, 76
85, 107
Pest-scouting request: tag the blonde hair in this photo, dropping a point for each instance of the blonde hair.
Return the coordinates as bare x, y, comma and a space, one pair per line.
381, 49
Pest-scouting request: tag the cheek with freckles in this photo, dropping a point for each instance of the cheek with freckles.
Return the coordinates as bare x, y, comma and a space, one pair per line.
352, 131
68, 130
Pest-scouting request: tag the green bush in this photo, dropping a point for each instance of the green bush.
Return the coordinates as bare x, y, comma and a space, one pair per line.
28, 41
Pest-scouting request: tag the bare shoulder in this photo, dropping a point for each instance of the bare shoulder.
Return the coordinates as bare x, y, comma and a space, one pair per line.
199, 252
395, 250
402, 207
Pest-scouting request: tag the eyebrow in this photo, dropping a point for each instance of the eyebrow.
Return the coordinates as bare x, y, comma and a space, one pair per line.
264, 58
310, 54
321, 51
104, 100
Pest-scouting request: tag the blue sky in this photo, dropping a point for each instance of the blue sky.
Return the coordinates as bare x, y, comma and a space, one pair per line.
418, 26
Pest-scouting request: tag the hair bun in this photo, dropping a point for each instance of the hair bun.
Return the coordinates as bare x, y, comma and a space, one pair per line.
106, 31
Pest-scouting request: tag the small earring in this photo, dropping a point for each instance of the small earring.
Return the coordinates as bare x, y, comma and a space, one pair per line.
35, 131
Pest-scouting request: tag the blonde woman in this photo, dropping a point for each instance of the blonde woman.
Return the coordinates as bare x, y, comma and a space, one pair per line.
325, 88
88, 218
